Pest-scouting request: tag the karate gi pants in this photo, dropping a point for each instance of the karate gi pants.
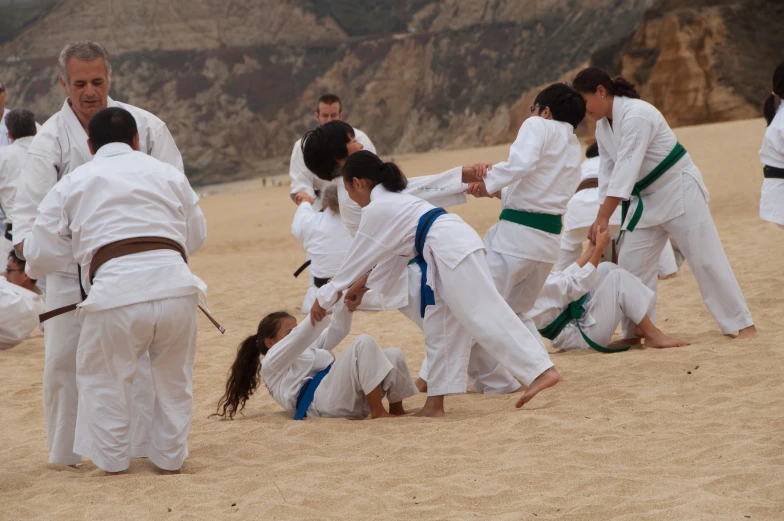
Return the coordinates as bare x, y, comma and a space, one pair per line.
64, 424
468, 305
695, 234
359, 369
618, 295
110, 348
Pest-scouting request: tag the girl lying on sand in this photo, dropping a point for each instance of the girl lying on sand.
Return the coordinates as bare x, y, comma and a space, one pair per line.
305, 378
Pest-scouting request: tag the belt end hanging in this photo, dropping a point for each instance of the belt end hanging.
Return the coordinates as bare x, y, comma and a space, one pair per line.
214, 322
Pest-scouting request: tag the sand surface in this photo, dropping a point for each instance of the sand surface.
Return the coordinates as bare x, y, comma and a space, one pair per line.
680, 434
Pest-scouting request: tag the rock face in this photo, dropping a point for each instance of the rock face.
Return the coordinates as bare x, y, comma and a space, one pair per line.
237, 80
703, 63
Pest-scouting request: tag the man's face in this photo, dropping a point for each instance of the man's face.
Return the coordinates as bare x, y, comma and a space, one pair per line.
3, 98
88, 87
327, 113
14, 273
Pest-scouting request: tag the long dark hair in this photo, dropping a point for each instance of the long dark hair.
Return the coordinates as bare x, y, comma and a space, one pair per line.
588, 80
245, 371
367, 165
769, 108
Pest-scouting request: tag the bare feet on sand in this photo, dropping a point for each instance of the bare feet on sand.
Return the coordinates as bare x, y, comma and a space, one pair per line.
434, 407
660, 340
746, 332
547, 379
396, 409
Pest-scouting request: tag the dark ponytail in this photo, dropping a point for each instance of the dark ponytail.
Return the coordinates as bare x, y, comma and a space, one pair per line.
588, 80
244, 376
367, 165
769, 108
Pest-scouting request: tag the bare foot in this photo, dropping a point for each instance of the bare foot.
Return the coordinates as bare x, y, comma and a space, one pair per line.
163, 472
547, 379
381, 414
625, 342
746, 332
421, 385
434, 407
396, 409
660, 340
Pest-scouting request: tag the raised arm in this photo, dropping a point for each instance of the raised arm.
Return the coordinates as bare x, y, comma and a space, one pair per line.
444, 189
301, 177
303, 221
284, 353
338, 329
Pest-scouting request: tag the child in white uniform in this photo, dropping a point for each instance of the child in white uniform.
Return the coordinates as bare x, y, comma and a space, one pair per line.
347, 386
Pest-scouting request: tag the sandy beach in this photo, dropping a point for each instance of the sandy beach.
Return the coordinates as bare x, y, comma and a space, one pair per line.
680, 434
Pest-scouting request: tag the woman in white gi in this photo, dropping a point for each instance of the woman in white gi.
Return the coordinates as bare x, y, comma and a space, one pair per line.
305, 378
581, 213
459, 299
326, 241
772, 154
662, 194
580, 307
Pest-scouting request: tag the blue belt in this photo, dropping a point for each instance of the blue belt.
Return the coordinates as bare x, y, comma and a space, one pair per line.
427, 298
307, 392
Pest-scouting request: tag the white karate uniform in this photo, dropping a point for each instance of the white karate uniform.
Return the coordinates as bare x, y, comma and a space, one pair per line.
137, 303
326, 242
467, 303
58, 148
4, 139
613, 294
303, 180
19, 309
11, 160
772, 154
675, 205
359, 369
581, 214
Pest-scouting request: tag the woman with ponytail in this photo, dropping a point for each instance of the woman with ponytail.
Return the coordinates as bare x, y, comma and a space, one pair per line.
458, 296
304, 377
644, 169
772, 154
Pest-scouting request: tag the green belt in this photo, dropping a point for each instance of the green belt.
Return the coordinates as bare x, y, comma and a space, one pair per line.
541, 221
575, 311
674, 156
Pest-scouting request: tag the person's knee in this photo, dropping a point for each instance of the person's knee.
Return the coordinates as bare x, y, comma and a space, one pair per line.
364, 343
396, 357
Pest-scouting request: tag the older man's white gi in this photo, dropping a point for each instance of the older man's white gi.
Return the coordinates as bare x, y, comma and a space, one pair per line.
772, 154
303, 180
613, 294
12, 158
580, 215
466, 301
58, 148
326, 241
674, 205
137, 303
19, 308
357, 371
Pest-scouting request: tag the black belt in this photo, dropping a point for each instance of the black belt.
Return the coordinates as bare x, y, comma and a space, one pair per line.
301, 269
771, 172
8, 232
318, 282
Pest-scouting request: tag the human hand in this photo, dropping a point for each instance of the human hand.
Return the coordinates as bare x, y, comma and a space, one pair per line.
317, 313
599, 225
603, 239
301, 197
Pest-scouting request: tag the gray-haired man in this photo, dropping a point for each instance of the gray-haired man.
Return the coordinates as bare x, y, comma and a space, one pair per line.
60, 147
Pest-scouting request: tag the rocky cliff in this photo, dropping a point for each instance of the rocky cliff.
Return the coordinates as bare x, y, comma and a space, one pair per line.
237, 80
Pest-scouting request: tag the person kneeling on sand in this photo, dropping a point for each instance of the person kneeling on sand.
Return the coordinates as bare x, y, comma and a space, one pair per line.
306, 379
580, 307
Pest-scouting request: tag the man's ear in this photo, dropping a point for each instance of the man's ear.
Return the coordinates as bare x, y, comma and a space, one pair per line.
135, 144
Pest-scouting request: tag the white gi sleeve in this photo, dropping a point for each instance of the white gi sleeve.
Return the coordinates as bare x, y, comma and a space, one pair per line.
574, 281
48, 246
338, 329
444, 189
523, 156
196, 224
7, 187
303, 221
386, 273
606, 166
165, 149
38, 177
20, 315
363, 138
301, 177
636, 135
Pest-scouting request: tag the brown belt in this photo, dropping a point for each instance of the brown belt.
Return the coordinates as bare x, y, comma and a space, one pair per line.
591, 182
122, 248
